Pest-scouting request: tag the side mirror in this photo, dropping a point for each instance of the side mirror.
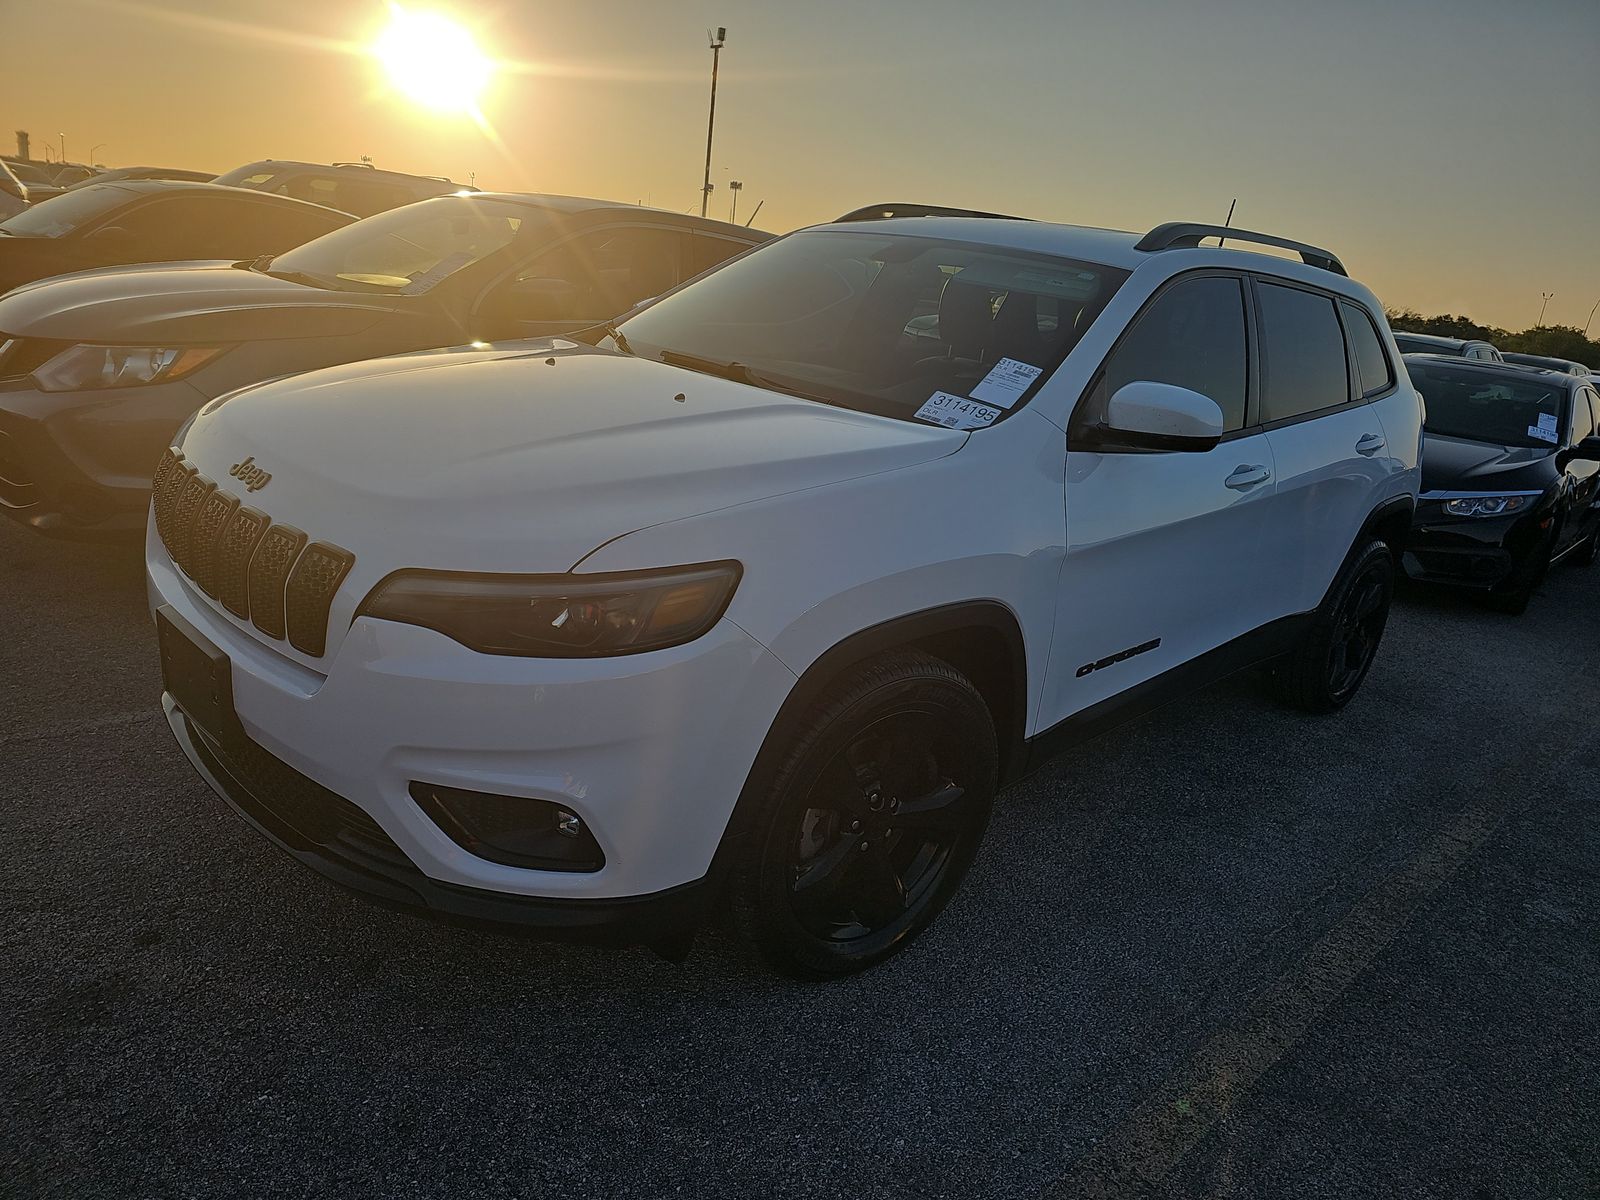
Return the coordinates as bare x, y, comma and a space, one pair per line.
534, 300
1161, 416
1587, 450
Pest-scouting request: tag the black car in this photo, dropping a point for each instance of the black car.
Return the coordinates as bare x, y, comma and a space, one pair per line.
98, 371
1427, 343
1565, 365
113, 224
1510, 476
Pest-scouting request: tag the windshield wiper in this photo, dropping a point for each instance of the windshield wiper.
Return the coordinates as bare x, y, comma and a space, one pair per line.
739, 373
618, 338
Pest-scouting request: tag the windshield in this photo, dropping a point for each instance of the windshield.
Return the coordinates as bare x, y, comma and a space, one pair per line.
910, 327
60, 215
406, 251
1490, 408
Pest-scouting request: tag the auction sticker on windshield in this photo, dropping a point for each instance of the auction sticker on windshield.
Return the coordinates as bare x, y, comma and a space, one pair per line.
956, 412
1006, 382
1545, 430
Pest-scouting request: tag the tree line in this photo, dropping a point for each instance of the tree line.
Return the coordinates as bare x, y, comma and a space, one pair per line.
1556, 341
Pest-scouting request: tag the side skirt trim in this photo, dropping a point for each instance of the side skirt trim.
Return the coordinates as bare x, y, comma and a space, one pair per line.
1248, 650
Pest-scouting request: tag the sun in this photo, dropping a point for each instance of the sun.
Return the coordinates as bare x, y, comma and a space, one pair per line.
433, 60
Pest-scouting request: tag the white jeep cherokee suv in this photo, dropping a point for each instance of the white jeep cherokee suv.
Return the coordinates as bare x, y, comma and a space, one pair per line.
767, 593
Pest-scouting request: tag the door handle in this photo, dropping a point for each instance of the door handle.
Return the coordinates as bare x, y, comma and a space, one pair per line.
1369, 444
1247, 477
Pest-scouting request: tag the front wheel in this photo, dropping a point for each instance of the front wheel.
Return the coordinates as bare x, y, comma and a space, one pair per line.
1326, 669
873, 818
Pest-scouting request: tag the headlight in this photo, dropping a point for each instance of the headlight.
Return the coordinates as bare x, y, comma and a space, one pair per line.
120, 366
559, 616
1487, 506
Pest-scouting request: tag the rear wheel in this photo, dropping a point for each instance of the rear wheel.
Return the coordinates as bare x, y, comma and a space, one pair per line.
874, 816
1326, 669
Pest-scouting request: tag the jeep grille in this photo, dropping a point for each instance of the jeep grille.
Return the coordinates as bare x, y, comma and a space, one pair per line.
260, 572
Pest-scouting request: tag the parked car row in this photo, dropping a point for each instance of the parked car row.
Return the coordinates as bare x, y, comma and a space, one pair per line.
700, 568
99, 369
357, 188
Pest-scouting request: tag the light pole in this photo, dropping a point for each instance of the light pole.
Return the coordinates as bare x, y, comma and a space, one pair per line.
735, 187
1591, 318
717, 40
63, 138
93, 150
1547, 295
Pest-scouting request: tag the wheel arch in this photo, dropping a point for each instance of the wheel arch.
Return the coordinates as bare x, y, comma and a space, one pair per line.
980, 638
1390, 523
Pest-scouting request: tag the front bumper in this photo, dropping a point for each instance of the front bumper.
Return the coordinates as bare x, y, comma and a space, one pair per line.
340, 842
78, 465
1472, 552
650, 750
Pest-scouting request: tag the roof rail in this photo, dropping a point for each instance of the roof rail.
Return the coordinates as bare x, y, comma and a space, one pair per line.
1176, 235
884, 212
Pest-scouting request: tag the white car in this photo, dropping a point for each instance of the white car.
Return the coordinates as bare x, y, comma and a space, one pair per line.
764, 596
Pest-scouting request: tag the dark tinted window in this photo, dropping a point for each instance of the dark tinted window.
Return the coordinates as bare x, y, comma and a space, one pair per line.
1371, 360
1303, 349
707, 250
1191, 336
1582, 417
598, 275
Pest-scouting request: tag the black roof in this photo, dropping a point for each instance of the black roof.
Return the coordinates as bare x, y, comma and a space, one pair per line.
1507, 370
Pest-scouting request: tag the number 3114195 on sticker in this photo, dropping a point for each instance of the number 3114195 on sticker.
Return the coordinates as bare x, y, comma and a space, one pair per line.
956, 412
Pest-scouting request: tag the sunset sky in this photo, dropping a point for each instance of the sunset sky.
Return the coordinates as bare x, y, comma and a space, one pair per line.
1448, 151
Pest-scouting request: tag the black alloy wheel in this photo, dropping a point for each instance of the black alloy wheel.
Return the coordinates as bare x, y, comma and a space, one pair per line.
874, 818
1326, 668
1358, 626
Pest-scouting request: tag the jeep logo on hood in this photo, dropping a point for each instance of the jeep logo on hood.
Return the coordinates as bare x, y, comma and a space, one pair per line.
252, 476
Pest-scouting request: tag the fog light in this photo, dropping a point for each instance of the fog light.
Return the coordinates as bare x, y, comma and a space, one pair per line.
518, 831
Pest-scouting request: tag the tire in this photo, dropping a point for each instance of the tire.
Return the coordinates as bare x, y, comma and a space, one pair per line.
873, 817
1323, 673
1512, 596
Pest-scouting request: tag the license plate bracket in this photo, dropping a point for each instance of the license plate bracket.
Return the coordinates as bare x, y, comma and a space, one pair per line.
198, 675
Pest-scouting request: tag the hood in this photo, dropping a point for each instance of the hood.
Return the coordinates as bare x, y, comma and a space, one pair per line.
523, 461
1451, 464
185, 302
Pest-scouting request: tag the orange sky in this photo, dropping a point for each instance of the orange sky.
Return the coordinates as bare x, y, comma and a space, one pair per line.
1446, 150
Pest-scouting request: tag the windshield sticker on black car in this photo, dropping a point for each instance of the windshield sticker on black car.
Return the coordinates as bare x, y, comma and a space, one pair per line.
1545, 430
1006, 382
956, 412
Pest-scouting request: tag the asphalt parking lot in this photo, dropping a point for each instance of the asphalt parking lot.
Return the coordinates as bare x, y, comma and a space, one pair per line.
1228, 950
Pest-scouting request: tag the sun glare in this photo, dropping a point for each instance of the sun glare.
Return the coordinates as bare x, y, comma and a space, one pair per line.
433, 60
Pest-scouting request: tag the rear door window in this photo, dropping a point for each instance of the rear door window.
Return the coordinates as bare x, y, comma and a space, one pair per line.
1372, 361
1303, 353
